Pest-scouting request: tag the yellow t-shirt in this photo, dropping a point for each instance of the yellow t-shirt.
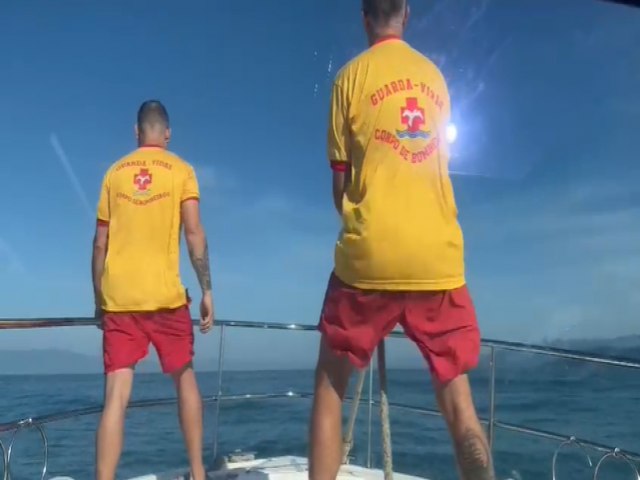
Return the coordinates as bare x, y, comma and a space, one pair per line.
387, 124
140, 200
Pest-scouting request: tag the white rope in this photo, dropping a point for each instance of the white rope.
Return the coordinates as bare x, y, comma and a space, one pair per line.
387, 455
347, 442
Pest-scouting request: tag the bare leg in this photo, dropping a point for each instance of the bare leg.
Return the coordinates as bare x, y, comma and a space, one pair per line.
190, 414
110, 433
325, 432
469, 440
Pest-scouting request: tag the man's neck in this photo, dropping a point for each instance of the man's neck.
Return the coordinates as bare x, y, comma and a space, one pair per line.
384, 35
152, 144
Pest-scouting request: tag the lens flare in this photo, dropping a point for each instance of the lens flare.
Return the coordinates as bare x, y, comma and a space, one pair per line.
452, 133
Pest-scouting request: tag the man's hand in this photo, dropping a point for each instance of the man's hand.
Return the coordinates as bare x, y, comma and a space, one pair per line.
340, 184
206, 312
100, 244
199, 255
98, 315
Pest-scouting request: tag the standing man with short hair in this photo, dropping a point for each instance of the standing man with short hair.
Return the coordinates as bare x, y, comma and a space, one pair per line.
400, 256
147, 197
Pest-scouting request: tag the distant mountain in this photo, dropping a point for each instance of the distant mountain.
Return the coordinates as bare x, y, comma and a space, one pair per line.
52, 361
627, 346
46, 362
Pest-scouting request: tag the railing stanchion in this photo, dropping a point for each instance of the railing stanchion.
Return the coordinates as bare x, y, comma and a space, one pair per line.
387, 454
370, 420
25, 425
219, 394
5, 469
492, 396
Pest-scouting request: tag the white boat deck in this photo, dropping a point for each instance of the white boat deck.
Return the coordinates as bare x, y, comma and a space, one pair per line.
277, 468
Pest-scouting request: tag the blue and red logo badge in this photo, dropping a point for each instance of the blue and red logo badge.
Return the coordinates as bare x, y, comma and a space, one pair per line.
412, 115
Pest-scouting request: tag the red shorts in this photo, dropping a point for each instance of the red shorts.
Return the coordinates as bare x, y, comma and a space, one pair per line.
126, 338
442, 324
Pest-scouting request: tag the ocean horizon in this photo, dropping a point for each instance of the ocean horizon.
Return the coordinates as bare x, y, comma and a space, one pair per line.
400, 355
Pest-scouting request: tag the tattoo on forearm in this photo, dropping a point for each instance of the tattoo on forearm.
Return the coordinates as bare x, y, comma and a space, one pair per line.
201, 266
474, 457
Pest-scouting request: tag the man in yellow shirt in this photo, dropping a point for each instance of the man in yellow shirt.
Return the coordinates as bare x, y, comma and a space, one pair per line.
400, 256
146, 198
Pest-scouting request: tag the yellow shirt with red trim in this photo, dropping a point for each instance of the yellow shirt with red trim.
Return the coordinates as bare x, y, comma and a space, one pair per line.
141, 201
387, 127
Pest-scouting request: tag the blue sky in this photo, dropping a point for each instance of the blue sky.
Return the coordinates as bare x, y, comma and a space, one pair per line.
545, 98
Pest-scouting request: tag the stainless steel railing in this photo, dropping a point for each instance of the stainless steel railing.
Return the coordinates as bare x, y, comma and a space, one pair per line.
609, 452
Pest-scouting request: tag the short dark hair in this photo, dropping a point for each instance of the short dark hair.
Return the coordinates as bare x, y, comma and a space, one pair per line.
383, 11
151, 115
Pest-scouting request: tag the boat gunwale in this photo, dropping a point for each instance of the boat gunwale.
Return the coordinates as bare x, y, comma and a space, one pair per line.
251, 397
217, 399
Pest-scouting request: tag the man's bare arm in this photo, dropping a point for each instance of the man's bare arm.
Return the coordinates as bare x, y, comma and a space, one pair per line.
100, 243
341, 181
196, 243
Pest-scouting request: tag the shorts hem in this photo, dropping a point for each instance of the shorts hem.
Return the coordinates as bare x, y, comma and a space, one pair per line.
181, 365
450, 378
355, 361
115, 368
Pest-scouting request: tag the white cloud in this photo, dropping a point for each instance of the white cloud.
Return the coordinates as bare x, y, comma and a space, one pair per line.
10, 261
73, 178
207, 176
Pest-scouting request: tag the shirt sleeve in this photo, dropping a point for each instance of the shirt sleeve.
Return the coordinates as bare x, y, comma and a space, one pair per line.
339, 132
190, 188
104, 210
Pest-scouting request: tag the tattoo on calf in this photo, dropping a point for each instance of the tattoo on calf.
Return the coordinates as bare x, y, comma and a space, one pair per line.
474, 457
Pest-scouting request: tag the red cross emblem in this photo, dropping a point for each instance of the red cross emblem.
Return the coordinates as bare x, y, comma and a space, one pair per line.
143, 179
412, 115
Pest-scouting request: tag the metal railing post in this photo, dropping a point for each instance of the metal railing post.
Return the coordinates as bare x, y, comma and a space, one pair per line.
25, 425
492, 396
219, 394
5, 469
387, 453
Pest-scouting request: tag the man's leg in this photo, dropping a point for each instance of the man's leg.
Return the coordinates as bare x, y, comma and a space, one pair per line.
190, 414
111, 428
444, 326
123, 345
110, 434
352, 324
470, 443
325, 433
171, 333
